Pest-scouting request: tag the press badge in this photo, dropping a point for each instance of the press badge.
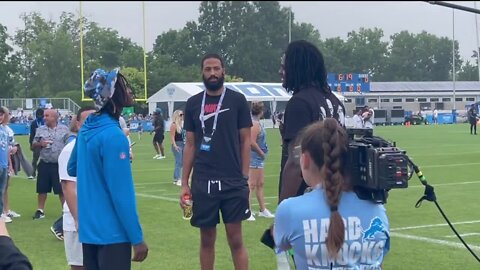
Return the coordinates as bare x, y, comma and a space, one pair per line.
205, 146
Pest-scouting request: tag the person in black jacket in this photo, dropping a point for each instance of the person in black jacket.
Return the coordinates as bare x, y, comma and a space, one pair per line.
11, 258
472, 119
36, 151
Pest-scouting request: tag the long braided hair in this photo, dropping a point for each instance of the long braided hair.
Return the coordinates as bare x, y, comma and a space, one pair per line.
304, 67
327, 144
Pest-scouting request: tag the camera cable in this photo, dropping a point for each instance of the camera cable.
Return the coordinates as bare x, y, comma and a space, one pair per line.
429, 195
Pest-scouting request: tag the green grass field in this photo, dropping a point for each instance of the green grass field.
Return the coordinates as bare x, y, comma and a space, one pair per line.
447, 154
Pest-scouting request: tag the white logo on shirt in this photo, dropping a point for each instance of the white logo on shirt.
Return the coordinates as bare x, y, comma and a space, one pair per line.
206, 117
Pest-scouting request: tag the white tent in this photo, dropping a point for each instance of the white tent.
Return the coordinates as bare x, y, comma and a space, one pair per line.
180, 92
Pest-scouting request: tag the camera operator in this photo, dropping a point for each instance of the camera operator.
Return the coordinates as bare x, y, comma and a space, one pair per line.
313, 224
303, 72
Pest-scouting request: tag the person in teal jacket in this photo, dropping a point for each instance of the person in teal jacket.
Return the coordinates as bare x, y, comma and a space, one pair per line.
109, 225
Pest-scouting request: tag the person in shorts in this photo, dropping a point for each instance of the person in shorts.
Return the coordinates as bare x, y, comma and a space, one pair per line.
218, 124
50, 139
73, 247
158, 137
258, 153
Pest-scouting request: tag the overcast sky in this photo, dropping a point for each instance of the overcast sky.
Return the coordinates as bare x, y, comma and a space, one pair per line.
332, 19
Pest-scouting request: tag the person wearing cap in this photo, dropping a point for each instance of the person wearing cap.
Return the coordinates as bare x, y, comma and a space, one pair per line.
100, 160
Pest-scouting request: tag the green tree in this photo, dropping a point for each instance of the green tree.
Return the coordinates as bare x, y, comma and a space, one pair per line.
420, 57
7, 66
468, 72
368, 52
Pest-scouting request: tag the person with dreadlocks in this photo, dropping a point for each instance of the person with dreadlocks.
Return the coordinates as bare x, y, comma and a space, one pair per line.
330, 227
303, 72
107, 210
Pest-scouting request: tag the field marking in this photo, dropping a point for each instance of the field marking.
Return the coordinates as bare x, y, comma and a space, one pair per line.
157, 197
449, 184
433, 241
154, 183
154, 190
433, 225
462, 235
451, 165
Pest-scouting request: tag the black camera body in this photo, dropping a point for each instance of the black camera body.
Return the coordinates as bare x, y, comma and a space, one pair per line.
375, 166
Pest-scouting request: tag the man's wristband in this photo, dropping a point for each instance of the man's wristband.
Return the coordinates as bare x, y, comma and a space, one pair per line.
245, 177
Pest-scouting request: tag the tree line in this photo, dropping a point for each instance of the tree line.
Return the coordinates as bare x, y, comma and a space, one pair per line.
251, 36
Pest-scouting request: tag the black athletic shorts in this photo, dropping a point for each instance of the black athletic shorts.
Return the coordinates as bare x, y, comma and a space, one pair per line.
158, 137
210, 197
48, 178
113, 256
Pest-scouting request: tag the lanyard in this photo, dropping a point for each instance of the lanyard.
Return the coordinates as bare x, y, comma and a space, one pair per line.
202, 111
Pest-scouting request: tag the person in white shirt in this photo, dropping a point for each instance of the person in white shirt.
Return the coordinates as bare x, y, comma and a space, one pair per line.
368, 115
73, 247
357, 119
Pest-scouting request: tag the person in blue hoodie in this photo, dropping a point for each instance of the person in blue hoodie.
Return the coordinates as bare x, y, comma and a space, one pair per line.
109, 225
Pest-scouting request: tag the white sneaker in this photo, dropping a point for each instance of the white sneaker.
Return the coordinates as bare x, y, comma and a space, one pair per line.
13, 214
156, 156
178, 182
251, 218
266, 214
5, 218
161, 157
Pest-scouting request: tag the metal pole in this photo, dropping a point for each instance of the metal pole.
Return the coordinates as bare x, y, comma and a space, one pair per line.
144, 52
81, 52
478, 47
290, 25
453, 57
446, 4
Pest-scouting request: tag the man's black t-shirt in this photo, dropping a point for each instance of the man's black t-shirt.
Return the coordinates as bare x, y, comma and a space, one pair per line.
307, 106
223, 161
158, 124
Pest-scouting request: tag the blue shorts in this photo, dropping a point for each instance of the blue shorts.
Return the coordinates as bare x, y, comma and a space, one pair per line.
256, 161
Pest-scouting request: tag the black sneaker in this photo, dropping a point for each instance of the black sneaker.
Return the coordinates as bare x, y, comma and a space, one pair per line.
38, 214
58, 234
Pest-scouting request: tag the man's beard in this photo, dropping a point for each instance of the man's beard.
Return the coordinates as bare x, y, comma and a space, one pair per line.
213, 86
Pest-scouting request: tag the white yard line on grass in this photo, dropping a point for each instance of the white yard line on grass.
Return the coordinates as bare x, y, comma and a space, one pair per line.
462, 235
433, 241
155, 190
433, 225
449, 184
157, 197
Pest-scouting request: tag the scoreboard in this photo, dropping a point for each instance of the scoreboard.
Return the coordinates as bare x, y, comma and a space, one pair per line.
349, 82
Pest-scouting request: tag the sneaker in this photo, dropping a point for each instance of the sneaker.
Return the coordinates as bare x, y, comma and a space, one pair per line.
31, 177
156, 156
38, 214
178, 183
13, 214
251, 218
5, 218
266, 214
161, 157
58, 234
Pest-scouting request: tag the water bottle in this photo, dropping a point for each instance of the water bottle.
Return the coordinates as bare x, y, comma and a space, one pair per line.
187, 211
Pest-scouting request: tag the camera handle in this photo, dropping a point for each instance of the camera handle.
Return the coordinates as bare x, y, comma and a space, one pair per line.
429, 195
